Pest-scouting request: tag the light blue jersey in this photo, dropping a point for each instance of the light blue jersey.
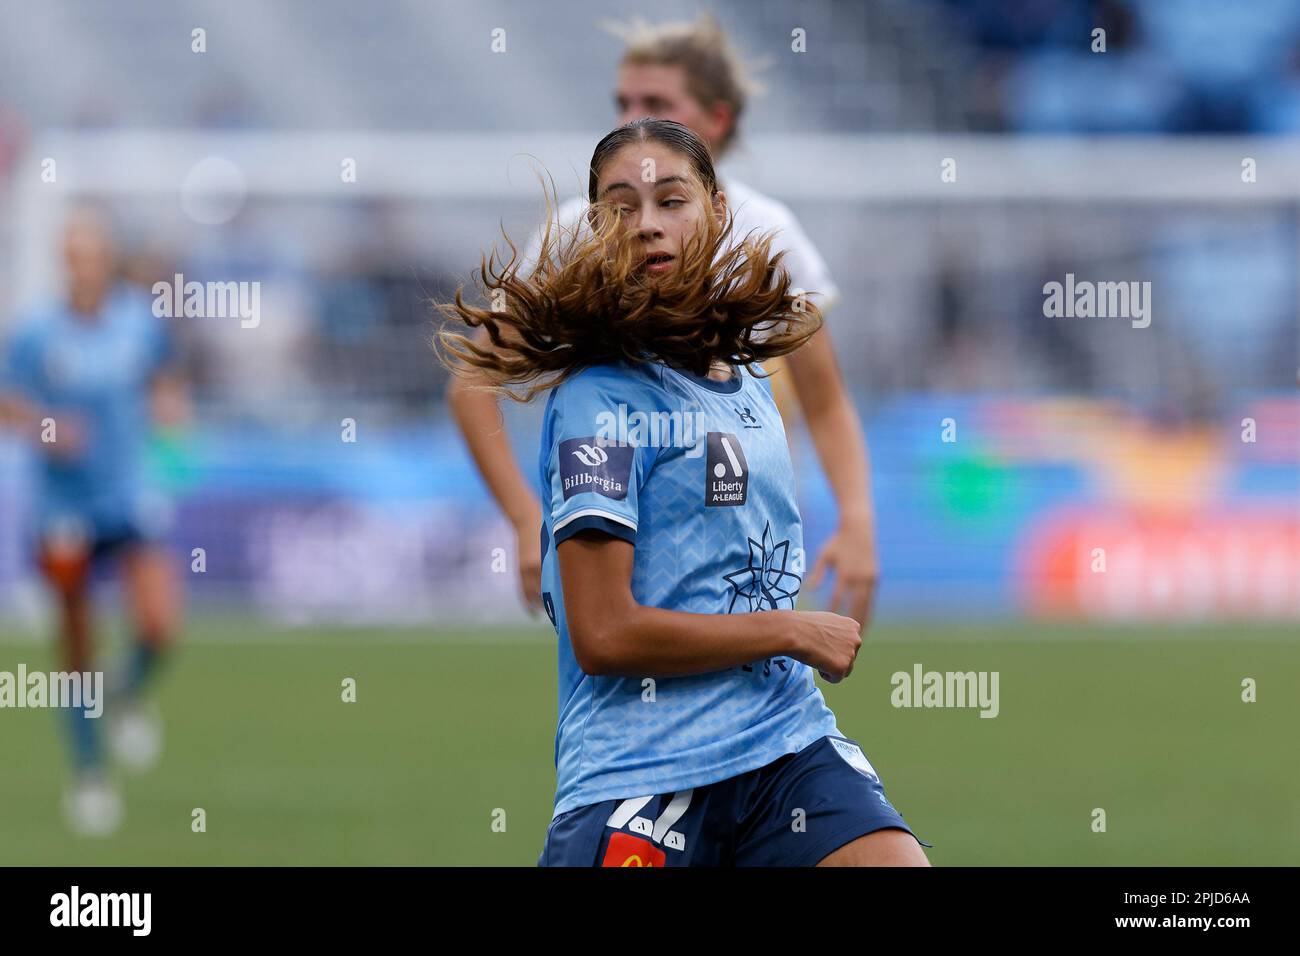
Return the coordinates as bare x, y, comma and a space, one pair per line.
93, 374
703, 486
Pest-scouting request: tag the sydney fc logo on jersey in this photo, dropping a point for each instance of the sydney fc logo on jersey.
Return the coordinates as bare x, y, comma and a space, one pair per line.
727, 477
586, 465
765, 584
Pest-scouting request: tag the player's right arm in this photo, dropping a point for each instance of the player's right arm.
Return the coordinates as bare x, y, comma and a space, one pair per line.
20, 415
16, 411
478, 415
21, 409
612, 635
479, 419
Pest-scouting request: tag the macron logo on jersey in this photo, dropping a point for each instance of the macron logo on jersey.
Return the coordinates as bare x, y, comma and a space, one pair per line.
588, 466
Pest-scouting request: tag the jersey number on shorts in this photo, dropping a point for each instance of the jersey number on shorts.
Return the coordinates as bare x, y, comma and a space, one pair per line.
660, 831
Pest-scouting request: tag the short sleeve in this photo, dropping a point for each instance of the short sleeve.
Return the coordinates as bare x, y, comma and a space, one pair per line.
593, 482
808, 270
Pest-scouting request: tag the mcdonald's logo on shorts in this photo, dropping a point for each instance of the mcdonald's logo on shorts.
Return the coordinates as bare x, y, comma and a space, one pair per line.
627, 850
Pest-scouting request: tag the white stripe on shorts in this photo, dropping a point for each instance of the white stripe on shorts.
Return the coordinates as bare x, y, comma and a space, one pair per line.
626, 810
672, 813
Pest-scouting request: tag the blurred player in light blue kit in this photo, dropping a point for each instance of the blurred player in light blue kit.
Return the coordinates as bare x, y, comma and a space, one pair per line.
85, 379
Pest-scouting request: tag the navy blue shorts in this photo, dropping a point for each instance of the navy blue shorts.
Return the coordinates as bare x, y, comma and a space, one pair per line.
110, 545
101, 543
793, 812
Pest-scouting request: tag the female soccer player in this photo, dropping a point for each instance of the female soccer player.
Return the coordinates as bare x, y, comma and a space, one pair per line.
84, 381
689, 72
691, 730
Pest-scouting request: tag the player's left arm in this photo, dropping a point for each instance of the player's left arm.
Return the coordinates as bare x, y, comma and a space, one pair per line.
836, 431
20, 409
169, 396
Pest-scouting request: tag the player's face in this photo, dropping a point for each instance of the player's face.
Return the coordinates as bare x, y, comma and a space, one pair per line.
88, 252
655, 192
647, 89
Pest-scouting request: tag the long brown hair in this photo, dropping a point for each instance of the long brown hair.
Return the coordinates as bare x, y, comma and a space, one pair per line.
584, 302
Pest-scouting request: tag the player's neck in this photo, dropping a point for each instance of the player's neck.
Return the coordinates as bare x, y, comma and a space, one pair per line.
86, 303
721, 372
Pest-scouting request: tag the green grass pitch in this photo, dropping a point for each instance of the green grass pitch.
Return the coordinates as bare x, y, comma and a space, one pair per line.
452, 727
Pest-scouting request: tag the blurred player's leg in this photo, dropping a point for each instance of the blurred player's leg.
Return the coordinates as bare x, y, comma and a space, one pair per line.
91, 803
153, 599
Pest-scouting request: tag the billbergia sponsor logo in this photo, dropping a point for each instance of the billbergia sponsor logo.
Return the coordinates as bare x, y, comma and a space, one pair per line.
588, 465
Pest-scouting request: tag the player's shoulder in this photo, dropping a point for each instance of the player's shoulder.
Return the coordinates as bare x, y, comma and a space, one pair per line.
132, 305
613, 382
572, 209
567, 217
755, 212
568, 213
758, 377
755, 209
600, 390
33, 328
591, 400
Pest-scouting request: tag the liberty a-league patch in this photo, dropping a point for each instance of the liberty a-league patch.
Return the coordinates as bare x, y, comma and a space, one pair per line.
854, 756
727, 478
588, 466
